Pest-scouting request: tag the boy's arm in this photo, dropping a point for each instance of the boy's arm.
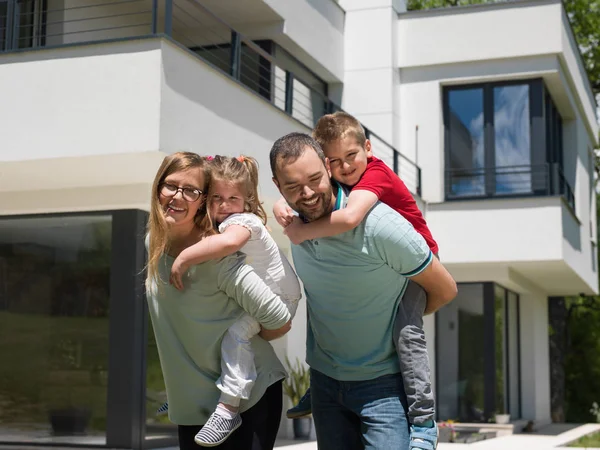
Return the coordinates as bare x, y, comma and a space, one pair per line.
359, 204
212, 247
283, 213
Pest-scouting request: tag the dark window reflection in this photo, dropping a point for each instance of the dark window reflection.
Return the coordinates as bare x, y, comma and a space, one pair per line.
464, 376
54, 306
466, 156
460, 356
157, 426
500, 350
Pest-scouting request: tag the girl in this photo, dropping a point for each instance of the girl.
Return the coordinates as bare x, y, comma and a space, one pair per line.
189, 325
235, 209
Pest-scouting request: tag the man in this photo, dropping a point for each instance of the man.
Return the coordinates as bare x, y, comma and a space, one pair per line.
353, 283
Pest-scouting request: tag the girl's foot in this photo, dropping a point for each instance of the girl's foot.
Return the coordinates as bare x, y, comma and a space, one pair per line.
164, 409
218, 428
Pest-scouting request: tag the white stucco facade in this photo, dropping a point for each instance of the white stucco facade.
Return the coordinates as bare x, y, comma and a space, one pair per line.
84, 128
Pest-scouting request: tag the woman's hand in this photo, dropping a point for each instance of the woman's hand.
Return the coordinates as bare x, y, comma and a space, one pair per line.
179, 268
269, 335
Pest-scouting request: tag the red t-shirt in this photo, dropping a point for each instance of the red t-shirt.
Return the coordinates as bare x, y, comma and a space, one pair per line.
391, 190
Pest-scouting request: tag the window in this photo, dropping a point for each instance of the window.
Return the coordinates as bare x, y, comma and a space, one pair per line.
73, 329
21, 24
503, 139
54, 328
477, 351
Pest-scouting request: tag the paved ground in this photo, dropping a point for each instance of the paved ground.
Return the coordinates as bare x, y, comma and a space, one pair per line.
548, 438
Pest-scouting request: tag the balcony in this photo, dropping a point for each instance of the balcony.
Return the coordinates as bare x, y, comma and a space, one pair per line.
546, 180
275, 78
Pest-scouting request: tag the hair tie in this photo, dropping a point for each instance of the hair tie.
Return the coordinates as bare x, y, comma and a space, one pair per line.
241, 158
210, 158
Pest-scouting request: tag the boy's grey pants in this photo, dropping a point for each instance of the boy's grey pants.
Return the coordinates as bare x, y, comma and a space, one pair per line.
409, 339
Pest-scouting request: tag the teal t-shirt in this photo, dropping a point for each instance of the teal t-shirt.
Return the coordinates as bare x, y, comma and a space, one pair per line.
353, 283
189, 327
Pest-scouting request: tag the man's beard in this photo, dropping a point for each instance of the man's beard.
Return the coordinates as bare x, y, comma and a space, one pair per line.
309, 214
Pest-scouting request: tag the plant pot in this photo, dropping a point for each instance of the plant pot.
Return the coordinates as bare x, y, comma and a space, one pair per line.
69, 421
302, 428
502, 419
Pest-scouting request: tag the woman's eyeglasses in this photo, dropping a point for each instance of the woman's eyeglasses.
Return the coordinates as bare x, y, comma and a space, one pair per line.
189, 194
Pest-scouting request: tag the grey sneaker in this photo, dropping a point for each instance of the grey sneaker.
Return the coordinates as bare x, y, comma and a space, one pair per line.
217, 430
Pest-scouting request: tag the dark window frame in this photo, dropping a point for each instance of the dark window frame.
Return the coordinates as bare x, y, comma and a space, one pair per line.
542, 152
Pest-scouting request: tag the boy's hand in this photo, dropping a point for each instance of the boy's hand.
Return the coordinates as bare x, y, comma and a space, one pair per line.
283, 213
179, 268
294, 231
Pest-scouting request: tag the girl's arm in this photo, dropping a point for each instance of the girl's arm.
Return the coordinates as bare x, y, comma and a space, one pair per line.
212, 247
243, 285
359, 204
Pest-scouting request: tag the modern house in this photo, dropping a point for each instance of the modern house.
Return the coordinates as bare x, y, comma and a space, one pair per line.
485, 112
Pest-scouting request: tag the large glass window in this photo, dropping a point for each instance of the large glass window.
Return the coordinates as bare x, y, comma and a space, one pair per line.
466, 158
512, 139
158, 427
503, 139
460, 352
54, 329
477, 341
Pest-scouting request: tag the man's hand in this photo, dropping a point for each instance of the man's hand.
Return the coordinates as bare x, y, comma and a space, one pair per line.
439, 285
269, 335
283, 213
294, 231
179, 268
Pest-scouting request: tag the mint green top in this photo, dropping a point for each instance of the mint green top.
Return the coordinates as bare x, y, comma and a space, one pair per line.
353, 283
190, 325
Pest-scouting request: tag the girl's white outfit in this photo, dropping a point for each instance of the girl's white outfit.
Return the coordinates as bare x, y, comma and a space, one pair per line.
238, 371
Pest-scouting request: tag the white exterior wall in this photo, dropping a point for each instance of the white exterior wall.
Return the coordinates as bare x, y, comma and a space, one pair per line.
535, 359
479, 33
89, 101
370, 75
308, 24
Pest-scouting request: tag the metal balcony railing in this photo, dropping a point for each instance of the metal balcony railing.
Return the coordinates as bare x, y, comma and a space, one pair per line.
30, 24
509, 181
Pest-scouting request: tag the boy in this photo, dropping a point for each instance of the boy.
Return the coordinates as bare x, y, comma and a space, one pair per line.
349, 152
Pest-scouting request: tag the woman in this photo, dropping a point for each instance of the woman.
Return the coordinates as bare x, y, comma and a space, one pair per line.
189, 325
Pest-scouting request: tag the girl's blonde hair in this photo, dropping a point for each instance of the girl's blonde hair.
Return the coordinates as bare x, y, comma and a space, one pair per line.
242, 171
157, 230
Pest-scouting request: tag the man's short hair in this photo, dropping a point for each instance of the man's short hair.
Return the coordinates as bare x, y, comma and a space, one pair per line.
291, 147
339, 125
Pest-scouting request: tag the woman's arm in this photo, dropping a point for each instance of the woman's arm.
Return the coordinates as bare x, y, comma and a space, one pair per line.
242, 284
359, 204
212, 247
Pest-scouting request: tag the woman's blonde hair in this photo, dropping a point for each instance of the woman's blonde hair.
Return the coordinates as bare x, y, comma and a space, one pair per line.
242, 171
157, 229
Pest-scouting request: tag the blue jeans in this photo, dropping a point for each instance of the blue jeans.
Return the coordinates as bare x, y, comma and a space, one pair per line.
356, 415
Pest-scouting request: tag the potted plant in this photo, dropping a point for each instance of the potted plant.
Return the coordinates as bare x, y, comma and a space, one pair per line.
296, 384
501, 419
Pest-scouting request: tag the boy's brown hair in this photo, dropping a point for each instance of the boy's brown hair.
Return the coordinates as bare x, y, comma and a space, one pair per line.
338, 125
